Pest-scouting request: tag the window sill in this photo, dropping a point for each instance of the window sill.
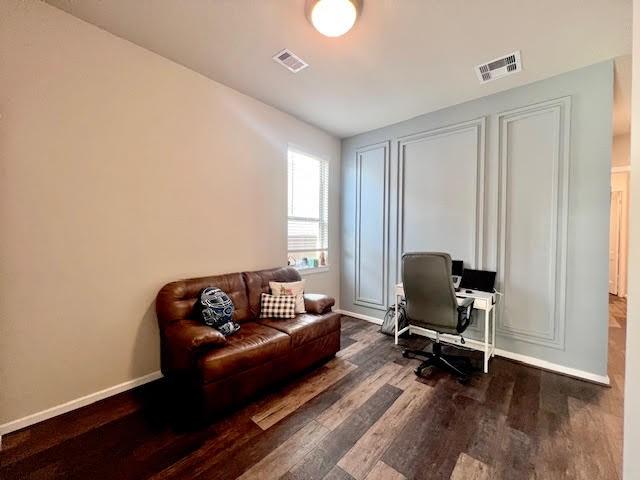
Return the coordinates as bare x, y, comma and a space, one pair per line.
312, 270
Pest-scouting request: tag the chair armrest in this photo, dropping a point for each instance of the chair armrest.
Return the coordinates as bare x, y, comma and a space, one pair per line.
183, 339
318, 303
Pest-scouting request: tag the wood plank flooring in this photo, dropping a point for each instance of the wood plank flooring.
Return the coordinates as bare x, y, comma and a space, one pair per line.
363, 416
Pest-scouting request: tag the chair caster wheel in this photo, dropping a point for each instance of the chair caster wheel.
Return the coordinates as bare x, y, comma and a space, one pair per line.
405, 354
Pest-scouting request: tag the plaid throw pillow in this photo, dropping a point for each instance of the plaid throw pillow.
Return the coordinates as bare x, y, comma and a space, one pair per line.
280, 306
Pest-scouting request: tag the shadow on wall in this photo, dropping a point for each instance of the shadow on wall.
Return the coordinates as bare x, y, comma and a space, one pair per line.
256, 119
145, 358
156, 400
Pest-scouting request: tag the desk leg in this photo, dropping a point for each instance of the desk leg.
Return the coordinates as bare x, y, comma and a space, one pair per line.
486, 341
396, 319
493, 331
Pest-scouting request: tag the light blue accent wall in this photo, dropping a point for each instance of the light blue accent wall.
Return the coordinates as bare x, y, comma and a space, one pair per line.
516, 182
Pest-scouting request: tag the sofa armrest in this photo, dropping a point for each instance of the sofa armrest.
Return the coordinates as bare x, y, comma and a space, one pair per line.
318, 303
184, 338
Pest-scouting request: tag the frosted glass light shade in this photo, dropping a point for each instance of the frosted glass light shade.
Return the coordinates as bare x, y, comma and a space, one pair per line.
333, 18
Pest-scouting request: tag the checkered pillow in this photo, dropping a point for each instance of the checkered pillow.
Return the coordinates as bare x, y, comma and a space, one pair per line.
280, 306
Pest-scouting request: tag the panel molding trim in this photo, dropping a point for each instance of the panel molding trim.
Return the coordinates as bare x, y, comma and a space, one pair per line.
380, 303
478, 126
560, 110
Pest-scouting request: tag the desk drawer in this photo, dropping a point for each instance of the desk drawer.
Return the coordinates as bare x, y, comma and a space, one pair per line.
481, 304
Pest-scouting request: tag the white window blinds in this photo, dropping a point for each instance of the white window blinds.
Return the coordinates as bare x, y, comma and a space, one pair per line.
308, 211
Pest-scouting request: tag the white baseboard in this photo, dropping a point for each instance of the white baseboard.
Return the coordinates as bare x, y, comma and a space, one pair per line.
76, 403
535, 362
554, 367
360, 316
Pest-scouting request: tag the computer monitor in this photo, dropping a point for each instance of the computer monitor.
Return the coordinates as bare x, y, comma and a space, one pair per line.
483, 280
457, 266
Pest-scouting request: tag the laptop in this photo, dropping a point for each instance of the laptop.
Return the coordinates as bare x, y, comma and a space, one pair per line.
483, 280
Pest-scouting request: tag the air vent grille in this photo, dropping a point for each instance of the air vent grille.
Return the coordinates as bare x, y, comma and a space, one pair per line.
290, 61
499, 67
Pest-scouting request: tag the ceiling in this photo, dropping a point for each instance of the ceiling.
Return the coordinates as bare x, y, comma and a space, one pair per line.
403, 58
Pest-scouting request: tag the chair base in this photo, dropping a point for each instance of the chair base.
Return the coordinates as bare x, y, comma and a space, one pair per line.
450, 363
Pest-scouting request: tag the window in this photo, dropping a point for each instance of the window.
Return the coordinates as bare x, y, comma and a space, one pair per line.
308, 211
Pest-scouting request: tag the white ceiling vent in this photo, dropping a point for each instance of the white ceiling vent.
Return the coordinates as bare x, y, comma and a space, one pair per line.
499, 67
290, 60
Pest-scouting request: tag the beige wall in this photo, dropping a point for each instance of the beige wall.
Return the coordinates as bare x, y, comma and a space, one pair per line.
620, 151
120, 171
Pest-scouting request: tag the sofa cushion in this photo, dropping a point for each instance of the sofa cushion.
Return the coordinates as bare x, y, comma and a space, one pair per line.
258, 283
252, 345
290, 288
175, 300
304, 327
277, 306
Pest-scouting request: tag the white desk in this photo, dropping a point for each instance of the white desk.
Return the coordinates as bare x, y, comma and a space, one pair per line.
484, 301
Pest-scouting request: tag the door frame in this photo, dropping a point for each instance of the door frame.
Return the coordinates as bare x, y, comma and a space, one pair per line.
615, 242
620, 182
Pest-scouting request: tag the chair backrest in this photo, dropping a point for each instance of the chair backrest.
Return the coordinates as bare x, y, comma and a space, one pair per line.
428, 290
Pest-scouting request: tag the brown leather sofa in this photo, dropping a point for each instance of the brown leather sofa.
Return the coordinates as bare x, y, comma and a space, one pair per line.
212, 373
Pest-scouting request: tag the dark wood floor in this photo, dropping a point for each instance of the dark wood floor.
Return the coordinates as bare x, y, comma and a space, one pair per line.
364, 416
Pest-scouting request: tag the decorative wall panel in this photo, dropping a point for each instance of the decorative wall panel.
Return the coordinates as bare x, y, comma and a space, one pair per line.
441, 192
533, 209
372, 226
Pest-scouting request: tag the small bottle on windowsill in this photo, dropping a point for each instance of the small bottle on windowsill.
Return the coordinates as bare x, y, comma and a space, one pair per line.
323, 260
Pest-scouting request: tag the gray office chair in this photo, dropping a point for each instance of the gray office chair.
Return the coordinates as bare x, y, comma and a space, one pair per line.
431, 304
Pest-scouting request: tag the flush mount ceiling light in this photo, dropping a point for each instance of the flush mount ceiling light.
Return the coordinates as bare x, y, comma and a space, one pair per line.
333, 18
